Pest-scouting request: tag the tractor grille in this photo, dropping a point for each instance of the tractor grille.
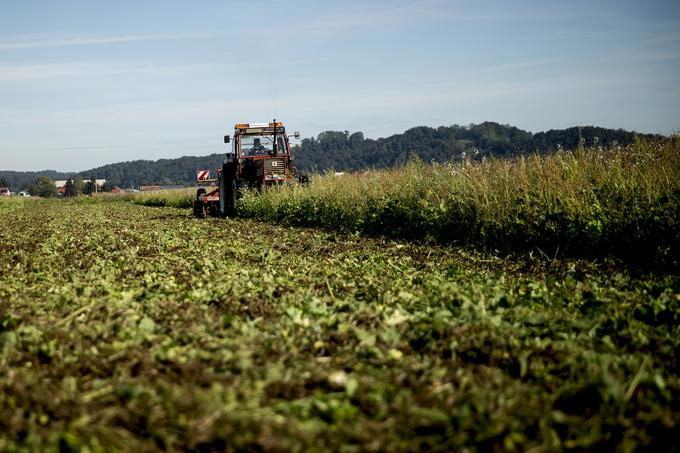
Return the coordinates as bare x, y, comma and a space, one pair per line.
275, 168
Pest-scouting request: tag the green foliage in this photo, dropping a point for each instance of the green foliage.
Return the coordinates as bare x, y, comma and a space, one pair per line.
43, 187
23, 180
623, 202
74, 187
90, 186
124, 327
174, 198
352, 152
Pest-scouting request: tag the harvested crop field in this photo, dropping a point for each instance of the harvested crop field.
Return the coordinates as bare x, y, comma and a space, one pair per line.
125, 327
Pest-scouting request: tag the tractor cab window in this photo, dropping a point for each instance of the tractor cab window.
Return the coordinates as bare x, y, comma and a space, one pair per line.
261, 145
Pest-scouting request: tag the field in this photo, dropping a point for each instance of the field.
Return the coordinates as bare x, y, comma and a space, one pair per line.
138, 328
348, 316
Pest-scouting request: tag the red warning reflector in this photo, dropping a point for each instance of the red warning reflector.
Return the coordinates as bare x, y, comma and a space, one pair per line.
202, 175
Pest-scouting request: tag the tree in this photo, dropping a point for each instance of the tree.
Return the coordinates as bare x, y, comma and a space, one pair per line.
43, 187
68, 188
3, 182
78, 186
73, 187
90, 186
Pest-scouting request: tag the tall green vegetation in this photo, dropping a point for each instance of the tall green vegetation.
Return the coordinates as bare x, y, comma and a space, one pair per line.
43, 187
619, 201
173, 198
74, 187
90, 186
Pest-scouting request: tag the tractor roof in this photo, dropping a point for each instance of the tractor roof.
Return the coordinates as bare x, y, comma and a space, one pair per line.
258, 128
254, 125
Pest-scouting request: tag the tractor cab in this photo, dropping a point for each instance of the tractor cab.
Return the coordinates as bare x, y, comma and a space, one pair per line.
262, 154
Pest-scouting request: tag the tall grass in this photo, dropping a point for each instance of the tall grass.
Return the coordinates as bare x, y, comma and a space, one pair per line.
176, 198
620, 201
9, 204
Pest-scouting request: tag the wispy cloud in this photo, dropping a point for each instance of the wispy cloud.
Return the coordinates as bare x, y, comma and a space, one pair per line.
314, 103
525, 64
351, 18
42, 42
569, 35
84, 69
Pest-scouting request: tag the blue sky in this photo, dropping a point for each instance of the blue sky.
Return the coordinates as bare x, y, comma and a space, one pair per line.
86, 83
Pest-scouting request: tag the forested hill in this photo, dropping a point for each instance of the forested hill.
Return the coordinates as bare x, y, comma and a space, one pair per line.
164, 171
345, 151
127, 174
20, 180
351, 151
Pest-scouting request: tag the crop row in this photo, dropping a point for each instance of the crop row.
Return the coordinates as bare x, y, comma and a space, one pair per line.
596, 202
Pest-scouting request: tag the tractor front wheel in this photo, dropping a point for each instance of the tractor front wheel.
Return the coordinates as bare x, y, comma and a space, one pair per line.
228, 197
199, 209
232, 199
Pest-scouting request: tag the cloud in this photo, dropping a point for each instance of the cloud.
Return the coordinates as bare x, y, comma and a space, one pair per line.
92, 40
313, 103
23, 72
348, 18
525, 64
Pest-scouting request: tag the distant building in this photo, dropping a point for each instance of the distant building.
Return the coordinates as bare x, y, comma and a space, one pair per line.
62, 182
116, 189
4, 192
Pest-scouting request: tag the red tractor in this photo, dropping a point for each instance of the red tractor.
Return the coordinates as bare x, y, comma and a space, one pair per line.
261, 156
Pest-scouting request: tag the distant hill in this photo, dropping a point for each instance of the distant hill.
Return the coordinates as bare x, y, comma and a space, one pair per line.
19, 180
127, 174
345, 151
341, 150
164, 171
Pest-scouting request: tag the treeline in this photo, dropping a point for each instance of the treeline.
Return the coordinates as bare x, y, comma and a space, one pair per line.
345, 151
161, 172
342, 150
126, 175
24, 180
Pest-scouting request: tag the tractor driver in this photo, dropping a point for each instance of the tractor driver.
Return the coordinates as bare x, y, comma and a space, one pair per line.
257, 147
